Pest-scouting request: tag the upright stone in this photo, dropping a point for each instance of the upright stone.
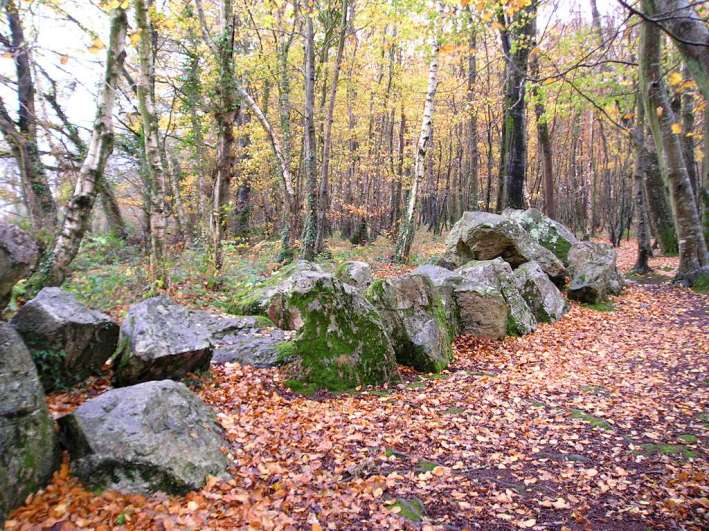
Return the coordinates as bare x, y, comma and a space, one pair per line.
154, 436
594, 275
415, 318
489, 281
18, 256
28, 446
68, 340
162, 339
485, 236
340, 341
542, 296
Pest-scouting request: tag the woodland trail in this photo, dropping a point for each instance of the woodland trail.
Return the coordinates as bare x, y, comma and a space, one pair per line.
598, 421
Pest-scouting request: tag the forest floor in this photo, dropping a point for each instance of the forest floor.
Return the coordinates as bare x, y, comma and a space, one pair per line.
598, 421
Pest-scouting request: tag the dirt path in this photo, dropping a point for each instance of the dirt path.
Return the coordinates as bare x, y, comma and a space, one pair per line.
599, 421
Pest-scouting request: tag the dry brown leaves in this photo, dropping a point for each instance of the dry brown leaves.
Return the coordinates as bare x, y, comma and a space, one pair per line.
545, 431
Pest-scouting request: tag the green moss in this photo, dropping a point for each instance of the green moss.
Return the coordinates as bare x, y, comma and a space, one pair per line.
425, 466
454, 410
596, 422
600, 306
51, 370
339, 347
701, 283
287, 350
677, 450
688, 438
412, 509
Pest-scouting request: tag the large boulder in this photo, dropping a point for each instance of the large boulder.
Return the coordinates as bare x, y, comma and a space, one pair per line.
487, 282
162, 339
340, 341
28, 446
355, 273
441, 279
485, 236
542, 296
259, 347
594, 275
153, 436
545, 231
68, 341
18, 256
415, 318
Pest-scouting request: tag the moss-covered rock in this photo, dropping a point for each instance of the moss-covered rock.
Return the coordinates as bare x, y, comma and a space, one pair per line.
340, 340
542, 296
489, 301
594, 275
549, 233
355, 273
485, 236
416, 321
28, 444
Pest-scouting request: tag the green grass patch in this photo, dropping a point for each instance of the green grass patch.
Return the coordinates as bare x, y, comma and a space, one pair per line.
305, 389
455, 410
688, 438
412, 509
416, 385
675, 450
597, 390
600, 306
701, 284
596, 422
425, 466
390, 452
379, 392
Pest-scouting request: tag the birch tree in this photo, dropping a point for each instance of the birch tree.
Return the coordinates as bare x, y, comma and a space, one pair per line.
78, 210
407, 226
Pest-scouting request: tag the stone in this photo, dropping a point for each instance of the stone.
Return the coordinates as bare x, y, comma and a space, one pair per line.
29, 452
549, 233
415, 318
162, 339
68, 341
340, 340
485, 236
355, 273
594, 275
542, 296
441, 281
18, 257
149, 437
258, 347
488, 287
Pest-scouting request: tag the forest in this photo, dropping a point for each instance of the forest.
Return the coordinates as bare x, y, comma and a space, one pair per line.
354, 264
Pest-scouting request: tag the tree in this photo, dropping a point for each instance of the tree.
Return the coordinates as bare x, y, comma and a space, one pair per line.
407, 227
516, 34
22, 135
77, 213
309, 145
151, 145
663, 123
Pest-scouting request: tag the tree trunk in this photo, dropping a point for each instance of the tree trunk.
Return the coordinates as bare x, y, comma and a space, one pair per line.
407, 227
516, 51
692, 247
642, 165
22, 136
151, 145
327, 136
309, 146
78, 210
473, 156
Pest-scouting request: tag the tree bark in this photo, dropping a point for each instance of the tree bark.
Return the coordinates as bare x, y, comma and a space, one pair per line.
472, 154
77, 216
642, 165
407, 227
692, 247
22, 136
310, 146
151, 145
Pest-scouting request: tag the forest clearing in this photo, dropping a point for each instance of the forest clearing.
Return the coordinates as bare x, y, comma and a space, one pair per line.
354, 264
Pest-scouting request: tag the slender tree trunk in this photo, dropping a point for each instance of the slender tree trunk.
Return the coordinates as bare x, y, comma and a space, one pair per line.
151, 144
407, 227
516, 44
309, 144
22, 135
327, 136
642, 165
692, 247
111, 209
544, 142
77, 215
473, 156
